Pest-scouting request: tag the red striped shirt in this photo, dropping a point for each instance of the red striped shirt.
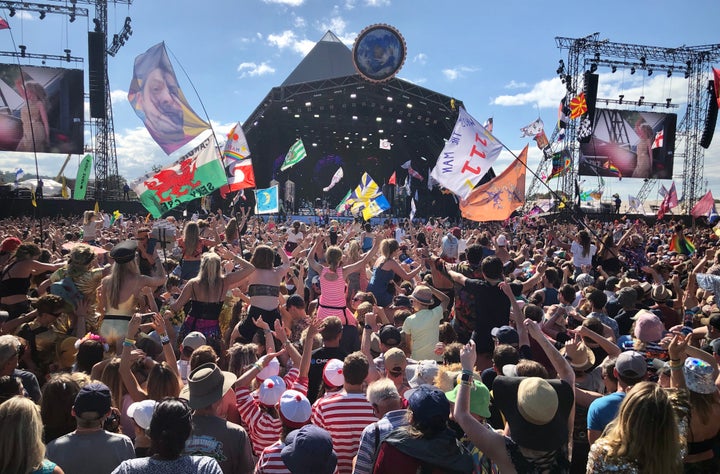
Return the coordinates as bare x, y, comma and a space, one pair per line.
345, 416
270, 461
263, 429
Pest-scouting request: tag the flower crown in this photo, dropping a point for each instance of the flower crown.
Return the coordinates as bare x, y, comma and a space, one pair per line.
93, 337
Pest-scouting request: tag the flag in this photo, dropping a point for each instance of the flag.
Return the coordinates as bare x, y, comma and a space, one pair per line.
266, 200
488, 125
532, 129
335, 179
713, 215
96, 209
703, 206
393, 179
635, 204
83, 175
413, 208
115, 216
64, 192
294, 155
612, 169
385, 144
560, 163
194, 175
408, 166
578, 106
237, 162
499, 198
4, 24
375, 207
19, 173
681, 244
716, 75
341, 205
157, 99
368, 198
32, 197
467, 155
658, 142
542, 140
672, 196
563, 113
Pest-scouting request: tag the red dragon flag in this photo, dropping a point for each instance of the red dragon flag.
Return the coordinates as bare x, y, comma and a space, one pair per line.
237, 162
158, 101
197, 174
497, 199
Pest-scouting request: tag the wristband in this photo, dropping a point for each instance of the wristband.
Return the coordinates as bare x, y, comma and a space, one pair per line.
676, 367
257, 366
367, 326
164, 339
128, 342
266, 331
674, 360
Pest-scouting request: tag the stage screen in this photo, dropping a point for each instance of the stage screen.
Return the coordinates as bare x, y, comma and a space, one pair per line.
47, 111
630, 144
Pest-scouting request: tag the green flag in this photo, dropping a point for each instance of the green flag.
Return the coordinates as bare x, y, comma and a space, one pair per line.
294, 155
83, 175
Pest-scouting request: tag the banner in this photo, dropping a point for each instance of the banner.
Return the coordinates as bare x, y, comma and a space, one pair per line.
83, 175
532, 129
236, 160
468, 154
375, 207
561, 162
157, 99
266, 200
703, 206
196, 174
368, 198
294, 155
499, 198
334, 180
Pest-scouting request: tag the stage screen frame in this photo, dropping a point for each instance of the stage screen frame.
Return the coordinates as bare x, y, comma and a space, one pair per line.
65, 106
605, 155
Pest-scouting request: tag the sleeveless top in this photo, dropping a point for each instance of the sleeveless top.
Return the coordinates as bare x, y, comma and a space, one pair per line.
378, 285
12, 286
332, 298
205, 310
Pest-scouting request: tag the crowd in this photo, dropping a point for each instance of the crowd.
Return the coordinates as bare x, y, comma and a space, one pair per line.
237, 344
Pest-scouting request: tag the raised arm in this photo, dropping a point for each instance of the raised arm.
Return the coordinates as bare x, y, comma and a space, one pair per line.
128, 378
563, 368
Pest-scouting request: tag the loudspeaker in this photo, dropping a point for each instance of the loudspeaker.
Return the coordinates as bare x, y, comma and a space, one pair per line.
96, 74
710, 118
590, 88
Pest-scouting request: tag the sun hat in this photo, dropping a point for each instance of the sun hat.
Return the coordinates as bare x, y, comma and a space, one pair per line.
631, 364
124, 251
648, 327
425, 373
142, 412
646, 287
194, 340
294, 409
501, 240
428, 402
333, 373
309, 450
395, 360
93, 397
206, 385
699, 376
422, 295
390, 335
536, 409
271, 390
505, 335
273, 368
479, 398
584, 280
660, 294
582, 360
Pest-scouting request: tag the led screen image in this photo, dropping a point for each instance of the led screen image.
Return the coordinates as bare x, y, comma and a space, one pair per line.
630, 144
41, 109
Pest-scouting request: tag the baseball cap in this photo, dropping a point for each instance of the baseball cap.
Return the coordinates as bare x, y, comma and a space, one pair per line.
428, 402
505, 335
93, 397
389, 335
194, 340
631, 364
142, 412
648, 327
395, 361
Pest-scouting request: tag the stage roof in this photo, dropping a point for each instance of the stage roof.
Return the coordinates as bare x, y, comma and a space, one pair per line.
341, 119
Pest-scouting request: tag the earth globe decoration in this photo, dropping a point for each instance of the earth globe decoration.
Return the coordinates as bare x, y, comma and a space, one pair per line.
379, 53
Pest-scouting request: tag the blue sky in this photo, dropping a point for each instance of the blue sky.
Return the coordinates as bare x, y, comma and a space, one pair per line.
499, 58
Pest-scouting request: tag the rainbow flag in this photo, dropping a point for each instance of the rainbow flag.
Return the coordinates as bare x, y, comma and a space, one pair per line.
681, 244
613, 169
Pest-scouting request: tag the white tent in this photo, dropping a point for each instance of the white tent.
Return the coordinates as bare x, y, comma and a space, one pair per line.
50, 186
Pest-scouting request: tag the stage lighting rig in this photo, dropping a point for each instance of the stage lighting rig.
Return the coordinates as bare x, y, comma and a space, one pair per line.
622, 96
669, 72
613, 69
67, 55
42, 14
12, 11
632, 70
593, 67
650, 71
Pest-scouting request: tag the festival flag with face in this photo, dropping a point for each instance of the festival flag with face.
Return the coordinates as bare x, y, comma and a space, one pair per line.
194, 175
499, 198
266, 200
157, 99
236, 160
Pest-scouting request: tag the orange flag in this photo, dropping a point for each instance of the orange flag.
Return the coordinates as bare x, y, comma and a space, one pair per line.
496, 200
393, 179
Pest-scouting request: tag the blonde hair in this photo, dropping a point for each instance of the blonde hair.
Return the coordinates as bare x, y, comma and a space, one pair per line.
111, 377
333, 256
21, 436
210, 275
191, 237
388, 246
118, 276
646, 430
353, 251
88, 216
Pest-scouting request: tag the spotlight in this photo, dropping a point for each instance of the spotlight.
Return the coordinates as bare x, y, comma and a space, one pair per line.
72, 17
98, 26
621, 98
593, 67
597, 56
67, 55
667, 102
22, 50
669, 72
643, 60
632, 70
640, 101
12, 11
614, 69
42, 14
650, 71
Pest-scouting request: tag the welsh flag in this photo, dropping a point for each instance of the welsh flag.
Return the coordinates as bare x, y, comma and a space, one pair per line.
197, 174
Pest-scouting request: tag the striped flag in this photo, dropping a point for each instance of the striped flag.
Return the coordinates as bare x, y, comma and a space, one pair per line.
294, 155
413, 209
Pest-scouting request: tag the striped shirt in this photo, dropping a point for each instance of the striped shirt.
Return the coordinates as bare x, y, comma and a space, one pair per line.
370, 440
264, 430
270, 461
345, 416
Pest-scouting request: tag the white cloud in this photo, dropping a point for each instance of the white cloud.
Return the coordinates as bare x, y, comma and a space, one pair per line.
299, 22
420, 58
377, 3
289, 3
515, 85
283, 40
249, 69
547, 93
456, 73
118, 96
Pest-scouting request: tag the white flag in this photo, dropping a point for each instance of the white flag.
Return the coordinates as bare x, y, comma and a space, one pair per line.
385, 144
635, 204
468, 154
533, 129
412, 209
335, 180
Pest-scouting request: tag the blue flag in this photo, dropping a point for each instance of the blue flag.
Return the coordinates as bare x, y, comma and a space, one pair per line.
266, 200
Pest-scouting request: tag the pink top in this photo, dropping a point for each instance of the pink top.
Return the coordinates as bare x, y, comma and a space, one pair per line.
332, 298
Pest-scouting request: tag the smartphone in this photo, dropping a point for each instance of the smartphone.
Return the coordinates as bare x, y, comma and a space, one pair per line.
147, 318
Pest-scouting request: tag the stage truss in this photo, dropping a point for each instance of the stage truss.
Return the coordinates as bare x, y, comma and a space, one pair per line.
693, 62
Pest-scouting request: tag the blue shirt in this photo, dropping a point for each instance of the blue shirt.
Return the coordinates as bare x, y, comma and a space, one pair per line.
603, 410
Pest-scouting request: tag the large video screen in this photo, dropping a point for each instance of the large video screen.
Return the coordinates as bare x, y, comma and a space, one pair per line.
41, 109
630, 144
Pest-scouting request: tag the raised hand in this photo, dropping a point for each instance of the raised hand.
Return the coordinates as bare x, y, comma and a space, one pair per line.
468, 356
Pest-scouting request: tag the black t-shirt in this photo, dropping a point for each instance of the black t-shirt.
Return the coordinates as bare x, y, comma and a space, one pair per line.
492, 309
317, 364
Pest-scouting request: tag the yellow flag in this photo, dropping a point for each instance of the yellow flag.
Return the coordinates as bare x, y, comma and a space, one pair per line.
32, 194
97, 207
64, 192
